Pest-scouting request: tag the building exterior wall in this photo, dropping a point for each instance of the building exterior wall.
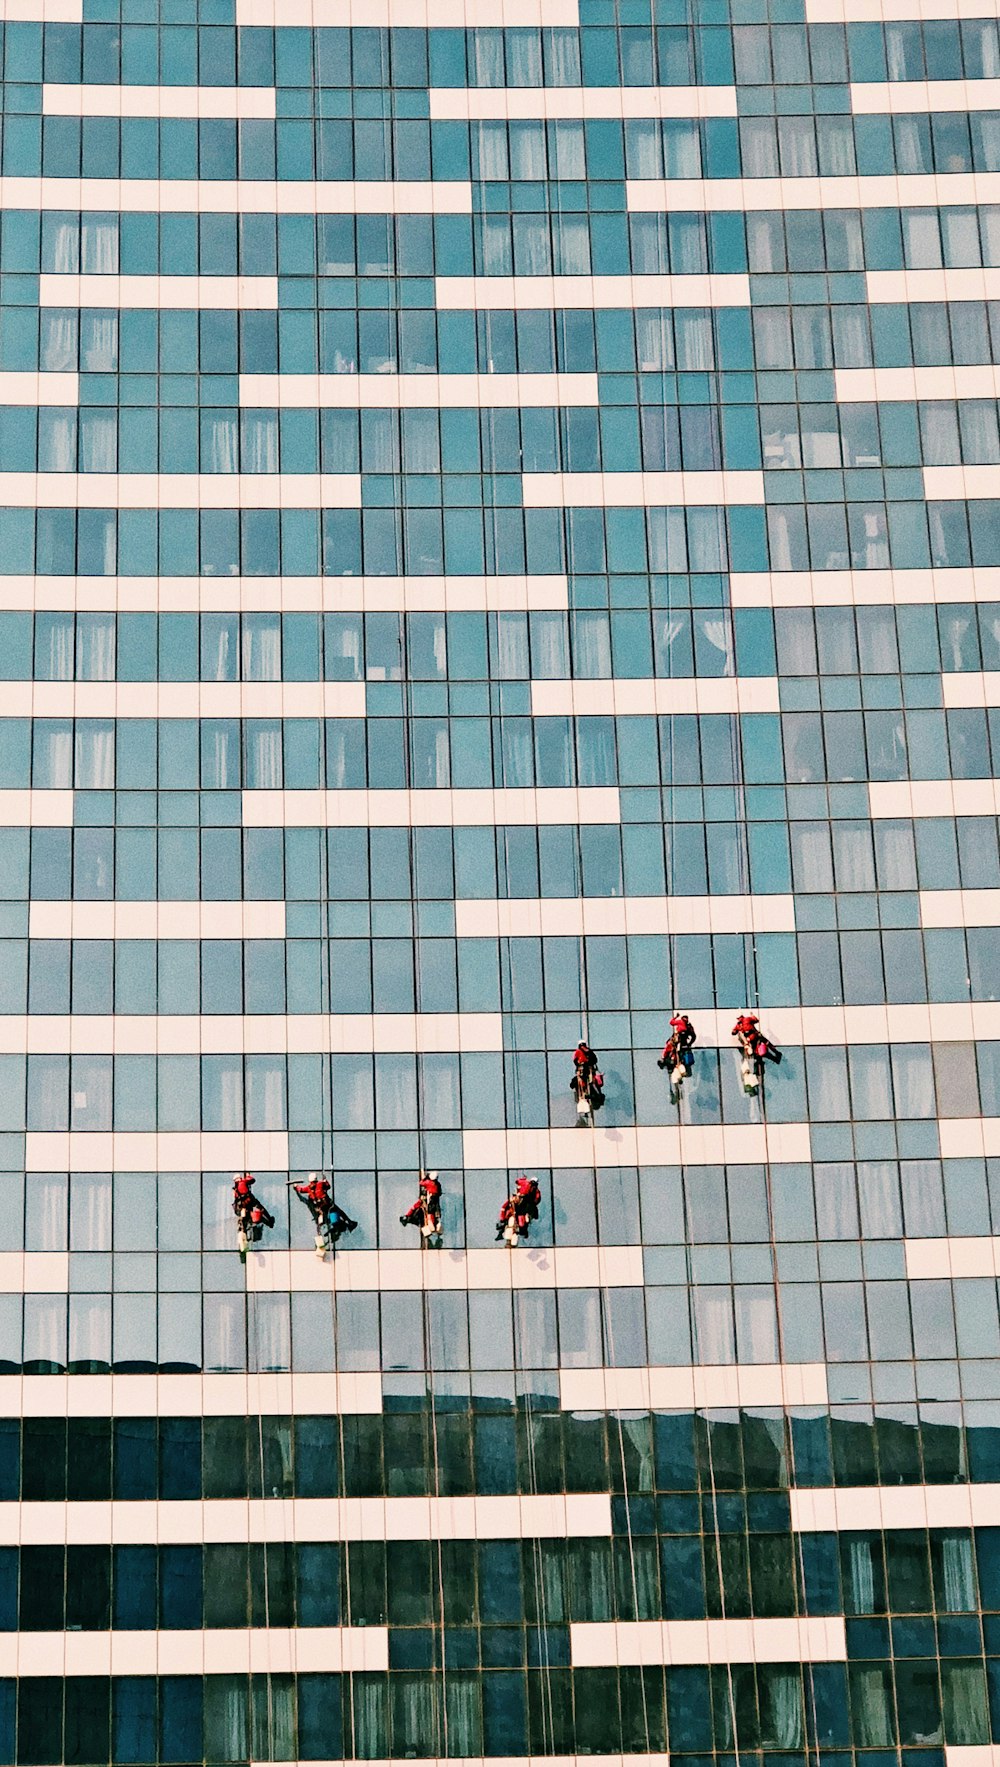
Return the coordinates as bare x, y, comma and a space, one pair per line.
498, 540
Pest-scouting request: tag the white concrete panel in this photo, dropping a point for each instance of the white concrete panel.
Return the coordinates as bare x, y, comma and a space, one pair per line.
862, 588
887, 385
860, 1507
968, 283
971, 687
960, 481
182, 490
189, 1395
78, 1150
934, 797
261, 1033
492, 102
246, 196
623, 697
960, 908
55, 12
727, 1385
457, 293
860, 11
285, 594
666, 1145
433, 14
295, 1650
61, 289
631, 1642
520, 917
876, 97
616, 490
440, 391
883, 191
306, 1519
183, 699
156, 920
408, 1270
953, 1257
35, 809
25, 386
435, 808
88, 100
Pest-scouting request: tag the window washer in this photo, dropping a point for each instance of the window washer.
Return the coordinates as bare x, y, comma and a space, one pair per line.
587, 1083
251, 1215
678, 1049
330, 1220
755, 1049
426, 1211
519, 1210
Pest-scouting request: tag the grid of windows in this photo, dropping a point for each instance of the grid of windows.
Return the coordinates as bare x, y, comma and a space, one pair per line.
499, 536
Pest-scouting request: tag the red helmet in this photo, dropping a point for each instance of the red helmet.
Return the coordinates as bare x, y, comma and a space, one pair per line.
681, 1018
242, 1185
524, 1185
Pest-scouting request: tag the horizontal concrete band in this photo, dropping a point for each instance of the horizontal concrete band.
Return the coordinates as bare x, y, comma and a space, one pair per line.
436, 14
438, 391
953, 1257
859, 11
933, 797
242, 196
863, 588
196, 1150
290, 490
513, 102
262, 1150
892, 385
284, 594
971, 687
877, 97
494, 1268
948, 482
532, 917
183, 699
635, 696
306, 1519
226, 1651
492, 918
90, 100
825, 191
628, 490
215, 293
723, 1387
829, 1509
633, 1642
959, 908
700, 289
666, 1145
190, 1395
436, 808
30, 386
957, 283
447, 1032
156, 920
353, 1033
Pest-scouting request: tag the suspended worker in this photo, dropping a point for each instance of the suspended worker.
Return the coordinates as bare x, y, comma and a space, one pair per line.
251, 1215
678, 1048
587, 1083
331, 1220
755, 1049
518, 1210
426, 1211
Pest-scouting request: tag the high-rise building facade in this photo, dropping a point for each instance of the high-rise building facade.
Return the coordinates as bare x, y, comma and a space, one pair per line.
500, 543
